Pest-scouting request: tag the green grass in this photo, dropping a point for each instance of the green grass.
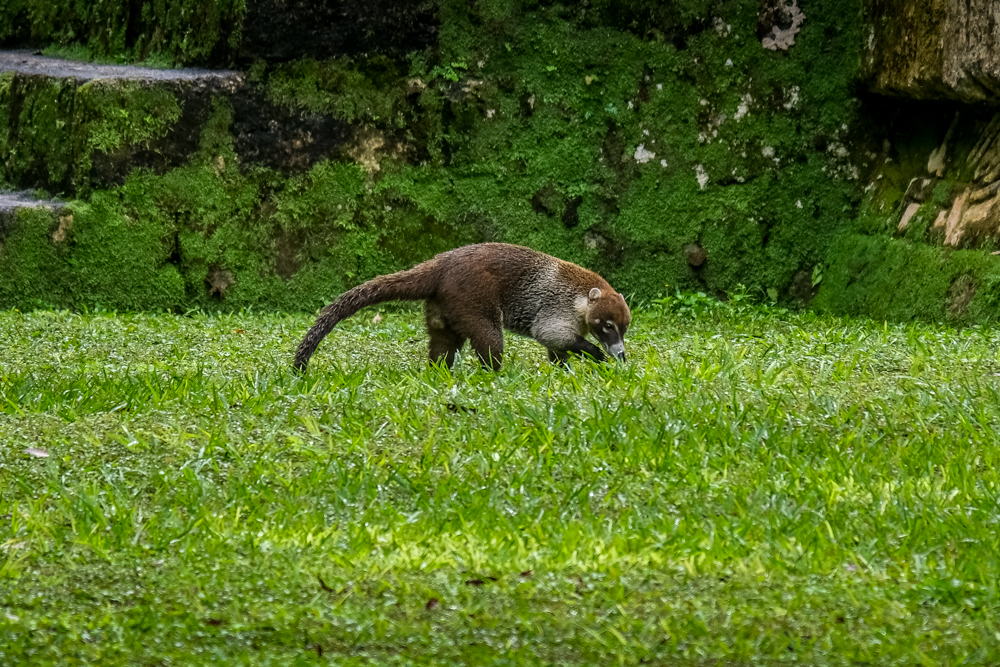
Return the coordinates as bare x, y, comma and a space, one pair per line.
753, 487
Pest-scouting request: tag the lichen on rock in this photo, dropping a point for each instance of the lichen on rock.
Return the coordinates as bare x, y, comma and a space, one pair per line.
781, 21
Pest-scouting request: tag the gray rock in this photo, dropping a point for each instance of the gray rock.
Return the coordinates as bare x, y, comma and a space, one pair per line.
933, 50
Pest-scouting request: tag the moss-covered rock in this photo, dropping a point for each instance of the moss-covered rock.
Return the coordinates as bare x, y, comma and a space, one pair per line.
897, 279
921, 244
69, 129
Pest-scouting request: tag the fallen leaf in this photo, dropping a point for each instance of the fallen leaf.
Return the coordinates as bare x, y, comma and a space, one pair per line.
433, 602
376, 319
526, 573
37, 453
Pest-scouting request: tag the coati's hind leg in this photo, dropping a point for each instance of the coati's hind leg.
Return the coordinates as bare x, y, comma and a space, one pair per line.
445, 342
487, 341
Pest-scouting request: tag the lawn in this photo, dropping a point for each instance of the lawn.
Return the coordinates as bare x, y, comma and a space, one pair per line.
753, 487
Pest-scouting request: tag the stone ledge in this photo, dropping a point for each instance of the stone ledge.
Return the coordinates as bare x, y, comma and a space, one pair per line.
11, 201
24, 62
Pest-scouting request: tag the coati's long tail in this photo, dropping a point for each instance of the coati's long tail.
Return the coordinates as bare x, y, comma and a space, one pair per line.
417, 283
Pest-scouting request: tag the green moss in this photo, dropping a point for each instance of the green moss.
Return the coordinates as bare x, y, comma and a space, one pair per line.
89, 255
120, 261
30, 266
370, 91
550, 109
39, 140
6, 81
889, 279
941, 196
127, 113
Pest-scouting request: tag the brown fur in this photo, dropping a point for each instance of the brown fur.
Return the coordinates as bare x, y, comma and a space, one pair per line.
475, 292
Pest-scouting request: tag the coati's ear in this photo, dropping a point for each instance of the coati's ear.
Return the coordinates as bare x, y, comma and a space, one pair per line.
595, 294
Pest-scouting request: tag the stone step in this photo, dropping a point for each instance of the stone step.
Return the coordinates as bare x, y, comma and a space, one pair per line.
25, 62
70, 127
223, 32
29, 236
11, 201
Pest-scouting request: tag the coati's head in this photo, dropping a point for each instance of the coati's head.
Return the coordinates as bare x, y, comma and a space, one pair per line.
608, 318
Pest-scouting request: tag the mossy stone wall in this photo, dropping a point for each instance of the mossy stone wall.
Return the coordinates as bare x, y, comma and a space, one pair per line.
658, 143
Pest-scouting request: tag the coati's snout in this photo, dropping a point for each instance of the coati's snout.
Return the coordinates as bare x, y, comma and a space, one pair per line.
608, 319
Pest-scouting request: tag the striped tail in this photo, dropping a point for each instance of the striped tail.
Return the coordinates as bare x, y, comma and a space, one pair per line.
416, 284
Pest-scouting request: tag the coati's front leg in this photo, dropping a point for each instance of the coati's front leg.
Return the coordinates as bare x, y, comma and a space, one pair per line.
579, 346
558, 357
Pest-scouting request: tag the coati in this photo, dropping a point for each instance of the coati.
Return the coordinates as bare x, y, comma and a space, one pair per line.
475, 292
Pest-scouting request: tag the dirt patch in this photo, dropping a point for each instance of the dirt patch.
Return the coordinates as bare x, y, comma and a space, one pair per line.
219, 281
696, 255
960, 295
287, 261
63, 230
802, 288
371, 147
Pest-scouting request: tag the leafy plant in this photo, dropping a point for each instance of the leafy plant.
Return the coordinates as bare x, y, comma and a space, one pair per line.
687, 304
450, 72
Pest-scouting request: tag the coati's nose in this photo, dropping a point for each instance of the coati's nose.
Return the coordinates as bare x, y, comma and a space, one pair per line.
617, 351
